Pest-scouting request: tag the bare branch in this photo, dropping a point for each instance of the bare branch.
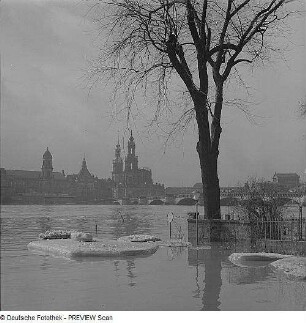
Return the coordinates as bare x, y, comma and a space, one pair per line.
159, 45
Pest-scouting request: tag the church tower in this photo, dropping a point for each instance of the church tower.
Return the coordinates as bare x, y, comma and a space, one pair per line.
84, 174
47, 168
131, 161
117, 173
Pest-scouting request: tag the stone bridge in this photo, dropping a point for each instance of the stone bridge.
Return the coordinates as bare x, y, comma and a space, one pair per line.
294, 198
226, 198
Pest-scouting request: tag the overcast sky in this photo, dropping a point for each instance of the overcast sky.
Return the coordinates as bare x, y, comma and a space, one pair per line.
45, 46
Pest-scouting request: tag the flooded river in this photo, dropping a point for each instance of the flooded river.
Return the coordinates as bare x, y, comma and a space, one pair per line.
171, 279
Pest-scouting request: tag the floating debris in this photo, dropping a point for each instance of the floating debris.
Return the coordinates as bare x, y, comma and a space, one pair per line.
81, 236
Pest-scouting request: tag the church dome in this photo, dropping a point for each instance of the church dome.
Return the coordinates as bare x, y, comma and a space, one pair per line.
47, 154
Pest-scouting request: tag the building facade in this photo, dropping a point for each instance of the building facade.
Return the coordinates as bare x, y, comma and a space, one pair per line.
289, 180
49, 187
129, 180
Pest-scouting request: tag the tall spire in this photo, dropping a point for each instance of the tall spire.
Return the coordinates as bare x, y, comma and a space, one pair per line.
118, 150
117, 172
131, 160
84, 166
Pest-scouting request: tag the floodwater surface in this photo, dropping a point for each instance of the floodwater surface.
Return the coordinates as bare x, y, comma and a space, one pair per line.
171, 279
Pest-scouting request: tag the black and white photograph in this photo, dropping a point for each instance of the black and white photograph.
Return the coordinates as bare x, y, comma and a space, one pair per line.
153, 159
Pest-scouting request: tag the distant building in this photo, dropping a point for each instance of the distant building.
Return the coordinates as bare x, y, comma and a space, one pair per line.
289, 180
87, 187
131, 181
47, 186
181, 191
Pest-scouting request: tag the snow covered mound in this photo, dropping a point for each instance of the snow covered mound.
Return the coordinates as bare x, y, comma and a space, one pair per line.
64, 234
55, 234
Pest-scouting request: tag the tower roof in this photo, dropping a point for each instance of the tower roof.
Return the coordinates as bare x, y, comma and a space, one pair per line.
84, 172
47, 154
131, 137
118, 151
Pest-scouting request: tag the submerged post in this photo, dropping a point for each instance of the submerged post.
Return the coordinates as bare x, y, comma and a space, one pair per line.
196, 197
197, 227
301, 204
170, 217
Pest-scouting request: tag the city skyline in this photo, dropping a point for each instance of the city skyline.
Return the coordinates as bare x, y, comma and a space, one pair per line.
45, 102
123, 155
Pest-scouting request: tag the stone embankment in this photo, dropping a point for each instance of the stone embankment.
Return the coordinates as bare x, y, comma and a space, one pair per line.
288, 265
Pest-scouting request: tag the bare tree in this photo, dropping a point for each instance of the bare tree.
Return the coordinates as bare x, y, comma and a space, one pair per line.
263, 202
200, 43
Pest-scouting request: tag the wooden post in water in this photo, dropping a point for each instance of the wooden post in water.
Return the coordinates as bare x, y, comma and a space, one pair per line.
170, 217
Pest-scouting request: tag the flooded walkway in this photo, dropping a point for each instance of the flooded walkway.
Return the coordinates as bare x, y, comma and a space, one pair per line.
171, 279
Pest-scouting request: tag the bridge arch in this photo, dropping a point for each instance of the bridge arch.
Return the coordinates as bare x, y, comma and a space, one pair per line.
281, 201
157, 202
186, 201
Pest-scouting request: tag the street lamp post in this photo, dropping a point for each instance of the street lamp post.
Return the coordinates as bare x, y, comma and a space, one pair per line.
196, 197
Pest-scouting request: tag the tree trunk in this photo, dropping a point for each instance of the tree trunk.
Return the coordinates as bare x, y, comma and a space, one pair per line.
208, 161
210, 181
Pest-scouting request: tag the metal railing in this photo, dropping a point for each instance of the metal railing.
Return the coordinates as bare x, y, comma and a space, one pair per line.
283, 229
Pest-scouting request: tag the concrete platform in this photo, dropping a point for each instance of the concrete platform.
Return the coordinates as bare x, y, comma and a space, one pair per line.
139, 238
293, 267
97, 248
290, 266
174, 243
260, 259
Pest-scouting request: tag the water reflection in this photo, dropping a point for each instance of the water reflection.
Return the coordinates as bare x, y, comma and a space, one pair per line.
126, 221
130, 272
214, 264
213, 280
44, 223
246, 275
116, 265
45, 263
174, 252
210, 259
